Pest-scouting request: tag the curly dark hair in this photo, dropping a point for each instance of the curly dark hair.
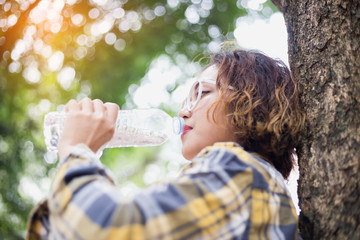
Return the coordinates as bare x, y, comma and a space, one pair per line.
263, 106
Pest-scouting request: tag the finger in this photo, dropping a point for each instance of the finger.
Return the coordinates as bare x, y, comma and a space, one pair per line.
72, 105
112, 111
86, 105
98, 106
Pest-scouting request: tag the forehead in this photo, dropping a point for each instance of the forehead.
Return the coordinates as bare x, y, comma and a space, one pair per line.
210, 72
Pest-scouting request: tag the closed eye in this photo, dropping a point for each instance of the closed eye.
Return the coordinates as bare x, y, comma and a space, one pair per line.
205, 92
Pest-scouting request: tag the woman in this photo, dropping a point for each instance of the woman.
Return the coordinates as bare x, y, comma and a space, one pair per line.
242, 120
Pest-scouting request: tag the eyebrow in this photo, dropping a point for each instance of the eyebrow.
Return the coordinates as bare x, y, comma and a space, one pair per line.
208, 80
212, 81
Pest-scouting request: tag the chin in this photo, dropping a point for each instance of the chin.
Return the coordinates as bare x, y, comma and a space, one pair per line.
188, 155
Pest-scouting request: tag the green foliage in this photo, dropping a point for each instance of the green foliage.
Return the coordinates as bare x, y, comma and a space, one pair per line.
98, 67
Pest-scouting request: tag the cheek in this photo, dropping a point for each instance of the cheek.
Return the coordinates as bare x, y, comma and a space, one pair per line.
206, 107
222, 130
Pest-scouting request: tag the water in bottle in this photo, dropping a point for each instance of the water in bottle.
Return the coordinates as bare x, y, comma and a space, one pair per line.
138, 127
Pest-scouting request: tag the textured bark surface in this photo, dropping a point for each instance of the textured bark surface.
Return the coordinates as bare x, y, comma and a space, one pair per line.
324, 56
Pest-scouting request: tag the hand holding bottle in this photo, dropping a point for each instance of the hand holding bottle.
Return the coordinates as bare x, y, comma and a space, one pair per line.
133, 128
88, 122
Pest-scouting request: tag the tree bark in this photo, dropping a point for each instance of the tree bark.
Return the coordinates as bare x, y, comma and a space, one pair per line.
324, 56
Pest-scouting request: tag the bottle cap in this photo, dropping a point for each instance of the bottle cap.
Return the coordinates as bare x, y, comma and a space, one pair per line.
178, 125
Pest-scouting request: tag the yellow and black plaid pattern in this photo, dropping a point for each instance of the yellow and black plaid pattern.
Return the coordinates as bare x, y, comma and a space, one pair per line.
224, 193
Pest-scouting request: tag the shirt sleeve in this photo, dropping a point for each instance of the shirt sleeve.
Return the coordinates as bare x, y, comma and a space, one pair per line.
214, 198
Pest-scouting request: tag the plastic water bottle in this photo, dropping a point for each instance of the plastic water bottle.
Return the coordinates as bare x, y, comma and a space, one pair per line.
138, 127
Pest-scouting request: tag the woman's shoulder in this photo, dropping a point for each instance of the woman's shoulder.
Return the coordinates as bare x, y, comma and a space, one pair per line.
231, 159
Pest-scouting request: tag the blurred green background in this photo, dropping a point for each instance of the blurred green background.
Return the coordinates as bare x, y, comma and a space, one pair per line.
136, 53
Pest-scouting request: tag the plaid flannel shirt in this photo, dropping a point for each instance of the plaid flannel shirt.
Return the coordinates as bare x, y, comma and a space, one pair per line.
224, 193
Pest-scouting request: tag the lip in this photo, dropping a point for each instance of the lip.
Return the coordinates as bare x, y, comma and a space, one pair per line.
186, 129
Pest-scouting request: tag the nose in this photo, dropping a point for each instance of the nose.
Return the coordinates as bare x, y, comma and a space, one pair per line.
184, 112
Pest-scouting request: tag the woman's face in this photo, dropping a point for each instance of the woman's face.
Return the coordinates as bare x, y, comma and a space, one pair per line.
200, 132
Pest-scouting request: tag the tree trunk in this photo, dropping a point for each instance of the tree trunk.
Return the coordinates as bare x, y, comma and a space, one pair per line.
324, 56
